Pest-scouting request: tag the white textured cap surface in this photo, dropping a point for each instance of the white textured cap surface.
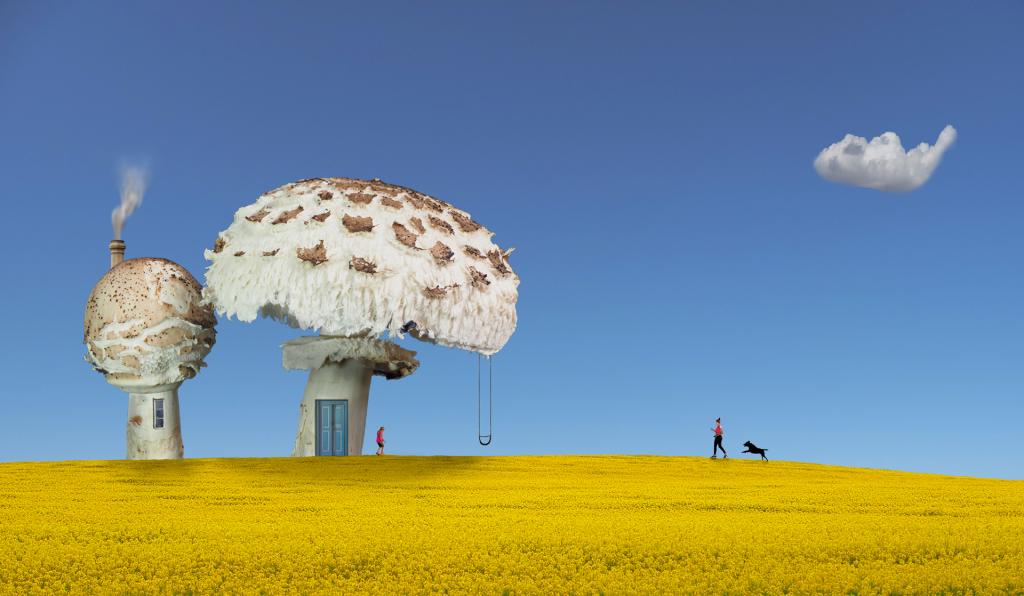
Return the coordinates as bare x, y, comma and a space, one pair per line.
361, 258
146, 326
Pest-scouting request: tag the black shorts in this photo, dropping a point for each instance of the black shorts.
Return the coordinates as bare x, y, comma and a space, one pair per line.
380, 443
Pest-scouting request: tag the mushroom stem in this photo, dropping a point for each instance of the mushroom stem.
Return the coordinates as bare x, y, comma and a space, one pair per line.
154, 424
348, 381
116, 252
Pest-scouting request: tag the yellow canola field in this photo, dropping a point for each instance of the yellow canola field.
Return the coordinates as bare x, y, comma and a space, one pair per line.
523, 525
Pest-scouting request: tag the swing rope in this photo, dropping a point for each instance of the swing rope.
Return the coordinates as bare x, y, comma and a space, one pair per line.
485, 440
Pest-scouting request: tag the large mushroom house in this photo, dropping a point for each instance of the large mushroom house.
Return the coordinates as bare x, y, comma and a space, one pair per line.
147, 331
359, 262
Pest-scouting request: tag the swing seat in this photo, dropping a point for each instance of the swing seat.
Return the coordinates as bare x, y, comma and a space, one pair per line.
485, 440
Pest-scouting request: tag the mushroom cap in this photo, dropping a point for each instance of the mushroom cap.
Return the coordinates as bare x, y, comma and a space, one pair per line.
146, 325
388, 360
360, 258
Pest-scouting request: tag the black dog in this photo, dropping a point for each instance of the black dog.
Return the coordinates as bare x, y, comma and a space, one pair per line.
752, 448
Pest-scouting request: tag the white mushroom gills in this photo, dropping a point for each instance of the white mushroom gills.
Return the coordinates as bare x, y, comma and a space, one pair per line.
356, 260
147, 331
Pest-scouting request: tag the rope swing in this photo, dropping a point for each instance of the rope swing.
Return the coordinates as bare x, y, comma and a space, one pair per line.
485, 440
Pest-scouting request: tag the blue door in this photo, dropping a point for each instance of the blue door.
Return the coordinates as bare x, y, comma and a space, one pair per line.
332, 426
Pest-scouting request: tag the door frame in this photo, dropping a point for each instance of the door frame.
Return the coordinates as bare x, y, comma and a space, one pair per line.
317, 404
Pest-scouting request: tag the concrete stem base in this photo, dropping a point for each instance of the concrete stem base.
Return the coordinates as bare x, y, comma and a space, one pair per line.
349, 380
145, 439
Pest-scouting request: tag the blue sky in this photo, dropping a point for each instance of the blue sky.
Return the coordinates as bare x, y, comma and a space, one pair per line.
680, 257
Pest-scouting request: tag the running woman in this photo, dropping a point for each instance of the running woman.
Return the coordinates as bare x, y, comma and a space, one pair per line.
718, 439
380, 441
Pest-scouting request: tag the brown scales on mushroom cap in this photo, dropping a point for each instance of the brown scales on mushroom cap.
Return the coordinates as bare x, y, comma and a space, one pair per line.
422, 201
387, 190
286, 216
219, 244
356, 184
304, 181
258, 216
357, 224
379, 186
438, 291
361, 264
325, 195
473, 252
440, 224
343, 184
479, 280
404, 235
418, 224
360, 198
270, 253
415, 201
441, 253
240, 253
321, 217
497, 262
433, 204
466, 224
315, 255
389, 195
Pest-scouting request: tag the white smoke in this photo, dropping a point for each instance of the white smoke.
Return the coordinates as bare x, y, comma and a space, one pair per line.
882, 164
133, 185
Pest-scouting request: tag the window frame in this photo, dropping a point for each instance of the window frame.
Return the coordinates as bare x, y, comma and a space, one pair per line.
158, 406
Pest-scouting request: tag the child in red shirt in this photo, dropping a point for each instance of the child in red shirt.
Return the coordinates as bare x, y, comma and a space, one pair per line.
380, 441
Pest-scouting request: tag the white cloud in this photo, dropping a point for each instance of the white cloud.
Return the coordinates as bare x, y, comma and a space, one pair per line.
882, 164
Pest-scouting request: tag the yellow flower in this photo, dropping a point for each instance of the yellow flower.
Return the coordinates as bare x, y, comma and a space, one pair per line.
521, 525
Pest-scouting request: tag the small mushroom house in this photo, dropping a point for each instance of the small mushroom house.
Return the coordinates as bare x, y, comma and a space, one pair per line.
147, 331
358, 262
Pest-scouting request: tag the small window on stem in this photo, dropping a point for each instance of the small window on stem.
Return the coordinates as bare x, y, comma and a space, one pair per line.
158, 413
